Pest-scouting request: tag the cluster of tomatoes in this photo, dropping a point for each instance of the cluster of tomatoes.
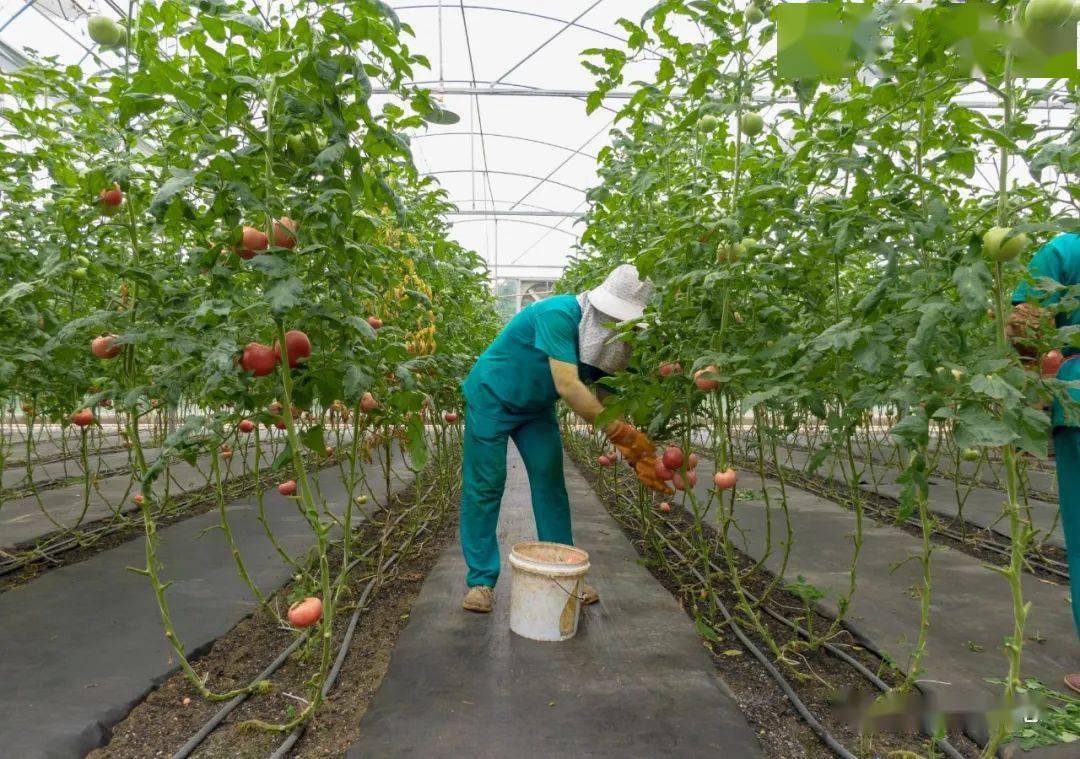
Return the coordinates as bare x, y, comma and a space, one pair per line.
706, 378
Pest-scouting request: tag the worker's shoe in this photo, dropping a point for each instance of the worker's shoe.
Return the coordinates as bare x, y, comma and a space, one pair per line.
480, 598
1073, 681
589, 595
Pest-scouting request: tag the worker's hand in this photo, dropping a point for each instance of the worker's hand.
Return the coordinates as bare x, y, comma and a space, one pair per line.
631, 442
1022, 327
646, 473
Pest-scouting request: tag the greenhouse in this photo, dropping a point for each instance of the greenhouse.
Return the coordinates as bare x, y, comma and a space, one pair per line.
601, 378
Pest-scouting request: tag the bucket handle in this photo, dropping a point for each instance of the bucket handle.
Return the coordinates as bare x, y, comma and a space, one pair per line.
567, 592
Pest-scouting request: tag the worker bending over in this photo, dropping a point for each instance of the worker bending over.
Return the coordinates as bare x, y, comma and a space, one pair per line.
550, 350
1059, 261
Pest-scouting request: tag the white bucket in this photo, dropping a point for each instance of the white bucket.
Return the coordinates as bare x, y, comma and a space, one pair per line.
546, 588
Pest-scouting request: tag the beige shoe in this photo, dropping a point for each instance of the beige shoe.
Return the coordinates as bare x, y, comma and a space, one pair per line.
480, 598
589, 595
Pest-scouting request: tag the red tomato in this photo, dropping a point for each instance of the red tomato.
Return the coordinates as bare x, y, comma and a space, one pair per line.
287, 488
450, 417
110, 199
103, 347
305, 613
662, 471
689, 482
725, 480
692, 461
665, 507
82, 418
368, 402
297, 346
703, 378
666, 370
281, 425
285, 233
375, 322
246, 426
604, 460
673, 457
251, 242
258, 359
1051, 362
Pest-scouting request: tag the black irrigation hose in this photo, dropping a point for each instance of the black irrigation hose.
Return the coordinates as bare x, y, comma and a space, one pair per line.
211, 724
284, 749
826, 737
942, 743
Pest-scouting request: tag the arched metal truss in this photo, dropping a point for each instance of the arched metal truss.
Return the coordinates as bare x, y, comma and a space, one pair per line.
474, 133
516, 220
515, 11
540, 179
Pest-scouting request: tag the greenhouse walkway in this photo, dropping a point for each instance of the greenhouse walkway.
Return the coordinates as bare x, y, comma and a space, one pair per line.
22, 520
982, 506
971, 607
84, 643
635, 681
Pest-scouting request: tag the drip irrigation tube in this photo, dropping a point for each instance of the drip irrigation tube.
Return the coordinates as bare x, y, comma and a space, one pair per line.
823, 734
211, 724
942, 743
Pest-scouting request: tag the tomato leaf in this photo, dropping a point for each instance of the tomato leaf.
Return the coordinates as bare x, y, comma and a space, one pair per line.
314, 438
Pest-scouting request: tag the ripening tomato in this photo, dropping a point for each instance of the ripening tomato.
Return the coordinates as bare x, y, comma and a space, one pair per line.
258, 359
109, 199
450, 417
666, 370
361, 499
682, 483
287, 488
725, 480
368, 402
375, 322
329, 452
604, 460
246, 426
297, 346
252, 241
662, 472
705, 378
305, 613
103, 347
692, 461
285, 233
1051, 362
138, 499
82, 418
665, 507
673, 457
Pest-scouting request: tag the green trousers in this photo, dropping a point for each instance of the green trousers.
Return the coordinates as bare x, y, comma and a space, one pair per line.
1067, 450
484, 477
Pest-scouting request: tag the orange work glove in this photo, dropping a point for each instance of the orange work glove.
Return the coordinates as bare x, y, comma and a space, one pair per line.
646, 474
632, 443
640, 453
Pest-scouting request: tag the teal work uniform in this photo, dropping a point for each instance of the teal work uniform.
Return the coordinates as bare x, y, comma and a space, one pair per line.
1059, 260
510, 393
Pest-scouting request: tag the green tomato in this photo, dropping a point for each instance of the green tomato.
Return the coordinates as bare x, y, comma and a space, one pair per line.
79, 273
82, 261
753, 15
970, 454
997, 248
748, 243
1050, 12
752, 123
104, 31
708, 123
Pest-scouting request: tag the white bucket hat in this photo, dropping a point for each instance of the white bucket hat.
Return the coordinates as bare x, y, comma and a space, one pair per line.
623, 294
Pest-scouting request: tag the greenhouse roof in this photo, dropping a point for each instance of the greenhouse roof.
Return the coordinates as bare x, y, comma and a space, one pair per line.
519, 161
